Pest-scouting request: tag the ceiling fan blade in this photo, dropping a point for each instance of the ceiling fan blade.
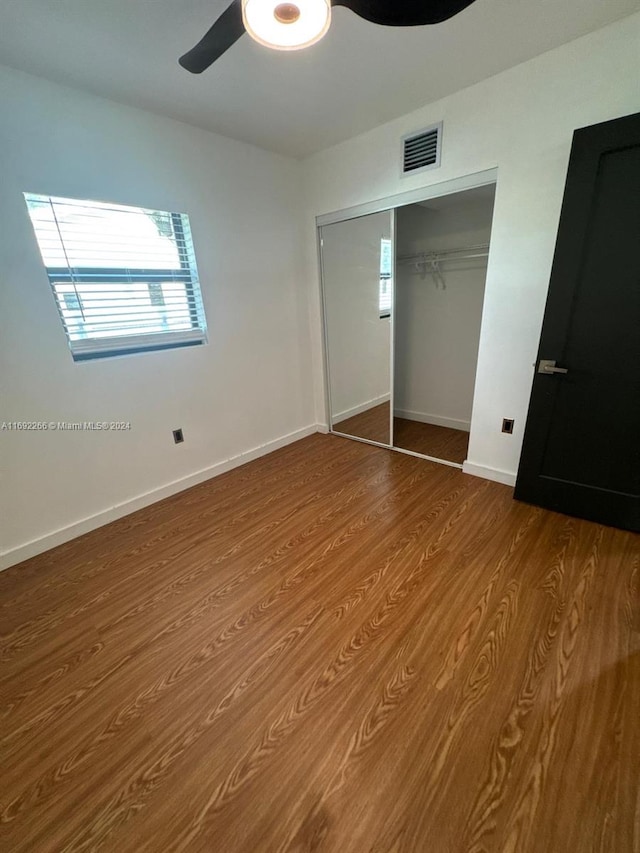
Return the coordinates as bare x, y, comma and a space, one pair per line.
223, 34
410, 13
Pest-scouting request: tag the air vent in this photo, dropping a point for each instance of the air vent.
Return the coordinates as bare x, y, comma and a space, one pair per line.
421, 150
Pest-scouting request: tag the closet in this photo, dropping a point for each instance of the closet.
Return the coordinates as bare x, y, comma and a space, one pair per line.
403, 293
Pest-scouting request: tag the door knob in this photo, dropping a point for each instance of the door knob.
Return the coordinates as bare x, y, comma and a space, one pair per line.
548, 366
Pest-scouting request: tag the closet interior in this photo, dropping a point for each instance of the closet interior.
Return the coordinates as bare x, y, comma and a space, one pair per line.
403, 293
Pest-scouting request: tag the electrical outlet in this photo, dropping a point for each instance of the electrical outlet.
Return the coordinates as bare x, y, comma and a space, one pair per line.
178, 437
507, 426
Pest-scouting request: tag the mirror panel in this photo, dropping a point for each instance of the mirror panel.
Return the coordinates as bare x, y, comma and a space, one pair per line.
357, 276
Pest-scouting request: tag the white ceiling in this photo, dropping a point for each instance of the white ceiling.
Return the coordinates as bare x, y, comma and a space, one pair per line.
359, 76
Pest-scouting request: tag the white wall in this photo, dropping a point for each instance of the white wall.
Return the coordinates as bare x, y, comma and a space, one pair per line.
359, 340
522, 122
437, 330
250, 386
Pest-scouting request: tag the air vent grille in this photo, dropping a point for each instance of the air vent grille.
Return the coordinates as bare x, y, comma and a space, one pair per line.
422, 150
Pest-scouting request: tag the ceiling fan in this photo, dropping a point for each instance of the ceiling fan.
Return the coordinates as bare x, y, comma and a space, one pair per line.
301, 23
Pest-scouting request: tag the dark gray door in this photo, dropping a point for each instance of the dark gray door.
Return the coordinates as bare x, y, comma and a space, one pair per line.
581, 452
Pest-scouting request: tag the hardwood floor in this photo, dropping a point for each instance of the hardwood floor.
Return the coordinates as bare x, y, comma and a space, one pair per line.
428, 439
431, 440
374, 424
334, 648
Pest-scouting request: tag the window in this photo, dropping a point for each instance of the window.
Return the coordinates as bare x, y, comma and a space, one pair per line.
386, 280
124, 278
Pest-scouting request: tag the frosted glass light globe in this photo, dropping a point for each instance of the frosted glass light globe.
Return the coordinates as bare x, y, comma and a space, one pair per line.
286, 26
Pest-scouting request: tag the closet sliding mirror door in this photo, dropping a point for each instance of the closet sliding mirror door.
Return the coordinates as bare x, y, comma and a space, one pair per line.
357, 278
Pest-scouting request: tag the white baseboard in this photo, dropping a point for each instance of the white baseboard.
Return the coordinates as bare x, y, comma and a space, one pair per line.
505, 477
65, 534
362, 407
436, 420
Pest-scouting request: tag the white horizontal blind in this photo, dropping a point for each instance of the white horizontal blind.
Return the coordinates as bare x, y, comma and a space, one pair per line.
124, 278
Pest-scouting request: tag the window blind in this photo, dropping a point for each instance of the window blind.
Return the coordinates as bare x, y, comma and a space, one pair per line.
124, 278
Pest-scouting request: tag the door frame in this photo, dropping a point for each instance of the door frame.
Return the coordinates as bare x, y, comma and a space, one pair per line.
455, 185
389, 203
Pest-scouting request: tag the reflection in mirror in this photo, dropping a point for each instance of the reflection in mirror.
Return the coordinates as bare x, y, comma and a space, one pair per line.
357, 273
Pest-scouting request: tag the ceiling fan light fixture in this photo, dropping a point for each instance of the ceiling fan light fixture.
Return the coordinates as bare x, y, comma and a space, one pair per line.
286, 26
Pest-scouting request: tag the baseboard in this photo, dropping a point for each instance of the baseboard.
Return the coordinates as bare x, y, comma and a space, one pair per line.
85, 525
358, 410
436, 420
504, 477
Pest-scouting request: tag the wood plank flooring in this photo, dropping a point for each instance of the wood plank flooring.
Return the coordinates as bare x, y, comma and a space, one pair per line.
374, 424
431, 440
334, 648
428, 439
